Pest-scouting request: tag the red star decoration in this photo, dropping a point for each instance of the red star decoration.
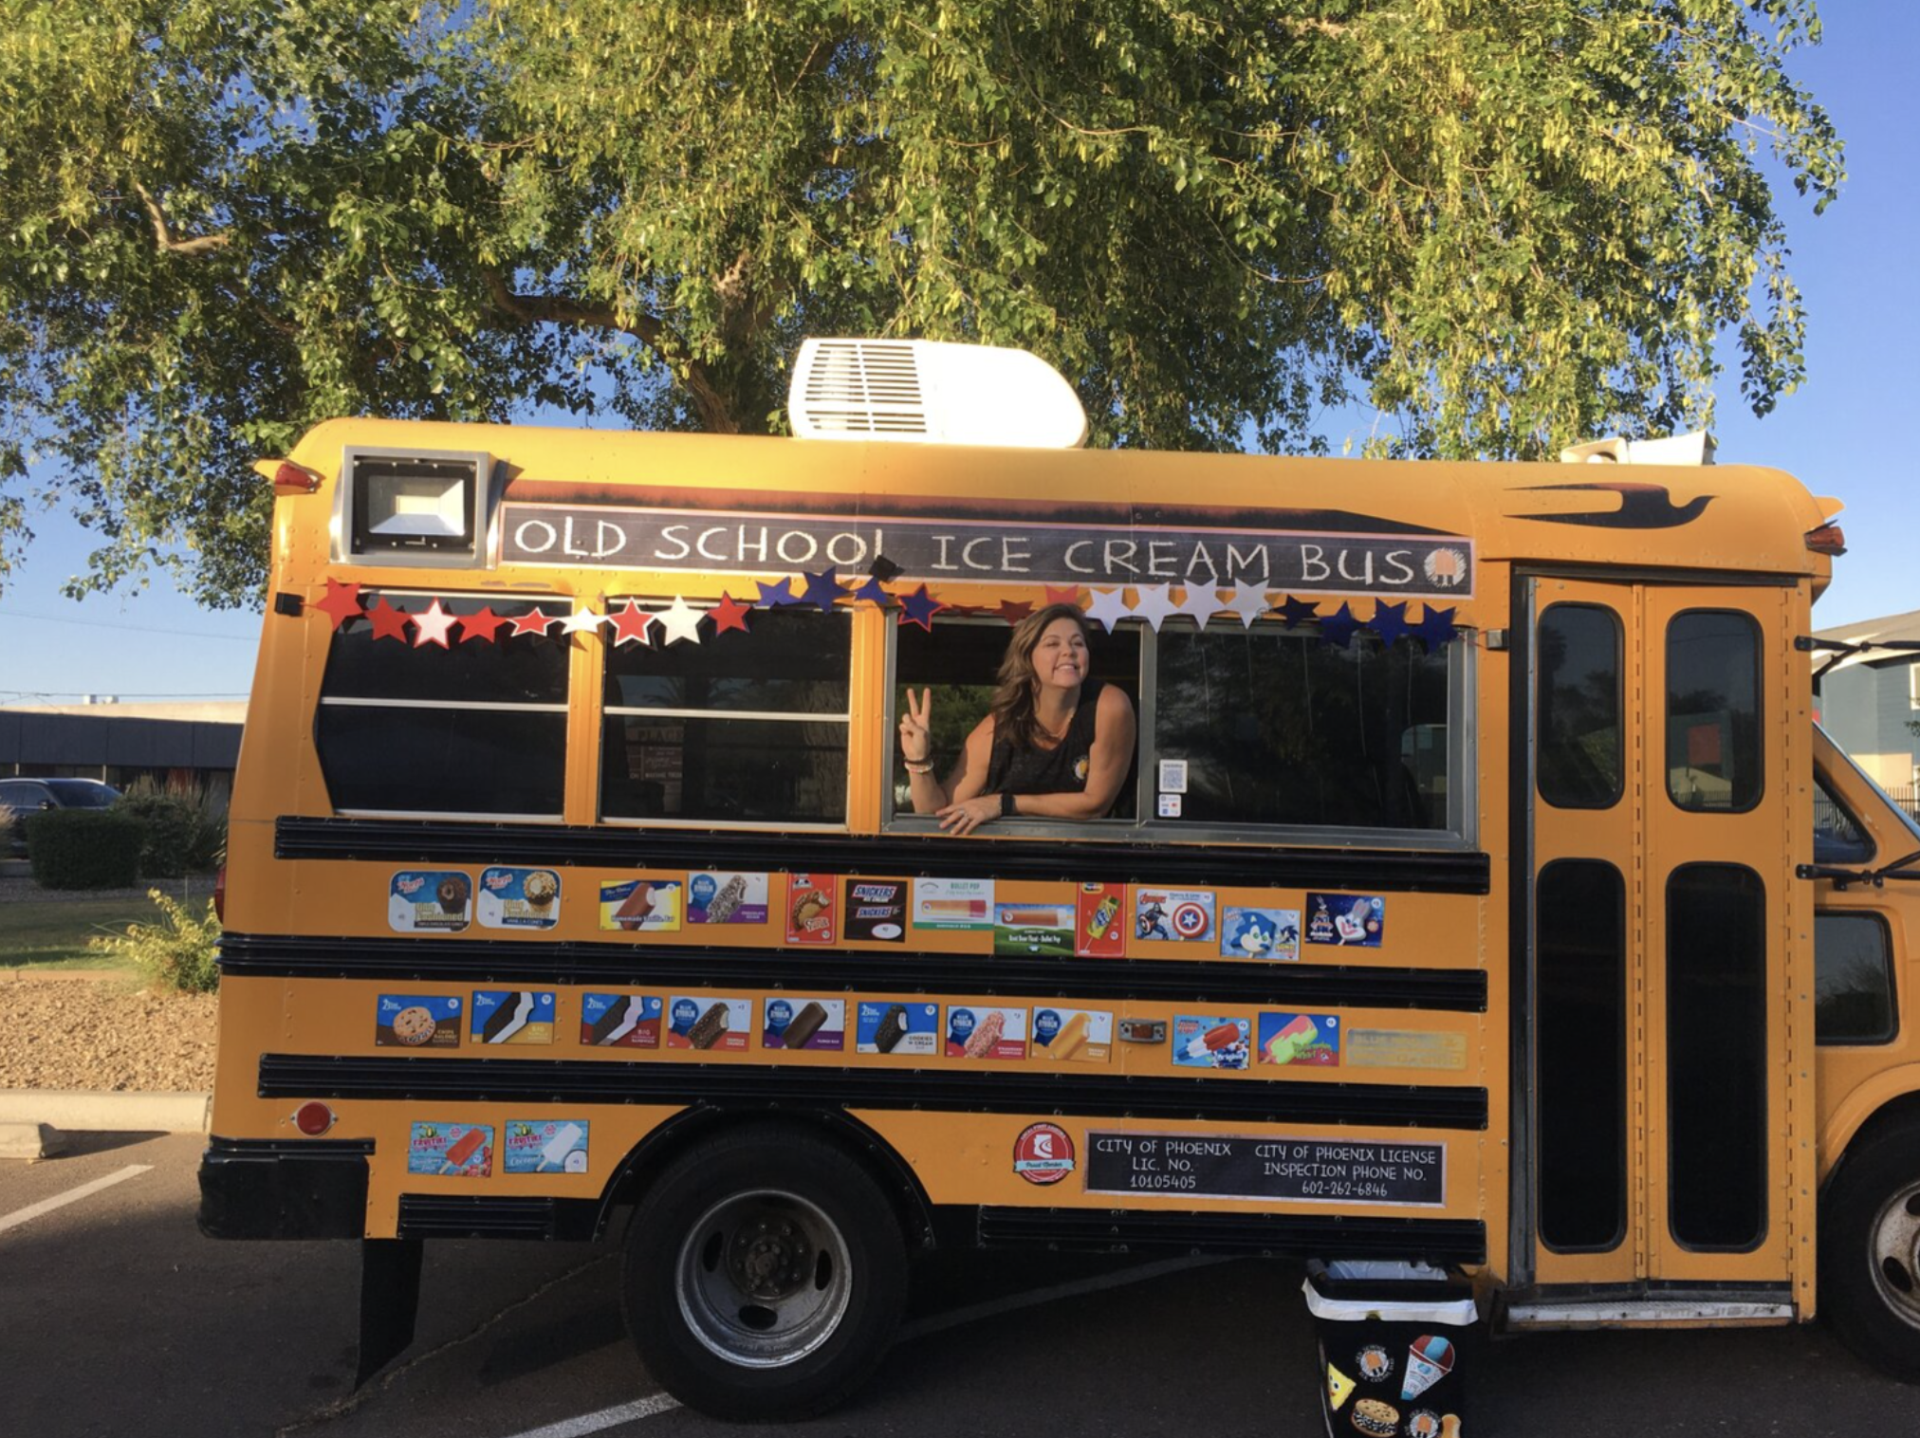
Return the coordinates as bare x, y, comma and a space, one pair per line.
1014, 610
729, 613
388, 622
538, 622
481, 626
432, 626
630, 624
1067, 594
342, 602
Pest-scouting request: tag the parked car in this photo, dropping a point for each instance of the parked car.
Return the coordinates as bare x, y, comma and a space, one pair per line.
29, 796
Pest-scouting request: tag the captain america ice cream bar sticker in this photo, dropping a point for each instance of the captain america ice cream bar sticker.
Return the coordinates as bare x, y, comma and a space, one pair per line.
425, 901
1350, 920
1172, 915
727, 898
512, 1016
518, 899
1260, 934
418, 1021
620, 1021
545, 1145
803, 1023
453, 1150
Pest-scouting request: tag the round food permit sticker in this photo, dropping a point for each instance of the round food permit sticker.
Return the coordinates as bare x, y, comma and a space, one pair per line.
1043, 1153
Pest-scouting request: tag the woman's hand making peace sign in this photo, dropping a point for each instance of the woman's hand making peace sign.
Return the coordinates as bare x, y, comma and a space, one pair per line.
916, 736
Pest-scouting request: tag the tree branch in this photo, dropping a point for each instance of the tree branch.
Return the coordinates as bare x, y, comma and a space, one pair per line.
163, 233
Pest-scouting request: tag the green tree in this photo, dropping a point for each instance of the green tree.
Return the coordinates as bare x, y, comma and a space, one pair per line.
1508, 225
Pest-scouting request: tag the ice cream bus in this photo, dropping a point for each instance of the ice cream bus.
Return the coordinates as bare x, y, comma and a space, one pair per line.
1480, 916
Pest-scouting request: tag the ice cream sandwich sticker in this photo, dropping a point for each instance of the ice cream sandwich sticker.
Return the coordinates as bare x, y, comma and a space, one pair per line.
1310, 1039
811, 908
418, 1021
1272, 934
422, 901
885, 1028
1043, 1153
1429, 1359
518, 899
512, 1016
1100, 921
1173, 915
456, 1150
641, 905
1211, 1041
620, 1021
876, 910
1079, 1036
953, 903
726, 898
1349, 920
711, 1025
1033, 930
1375, 1417
975, 1032
799, 1023
545, 1145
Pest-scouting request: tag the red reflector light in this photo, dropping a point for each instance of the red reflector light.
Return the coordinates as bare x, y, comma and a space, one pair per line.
291, 478
313, 1119
1827, 539
220, 894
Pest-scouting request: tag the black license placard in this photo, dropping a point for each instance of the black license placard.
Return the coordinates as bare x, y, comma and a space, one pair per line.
1304, 1170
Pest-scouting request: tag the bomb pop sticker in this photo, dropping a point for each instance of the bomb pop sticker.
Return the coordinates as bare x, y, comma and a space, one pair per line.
1211, 1041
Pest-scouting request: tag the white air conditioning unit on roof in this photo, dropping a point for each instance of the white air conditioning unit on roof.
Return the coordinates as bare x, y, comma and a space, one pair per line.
923, 392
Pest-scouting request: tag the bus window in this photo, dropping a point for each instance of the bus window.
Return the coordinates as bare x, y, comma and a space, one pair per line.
1579, 754
477, 729
1837, 835
1853, 980
1713, 711
753, 730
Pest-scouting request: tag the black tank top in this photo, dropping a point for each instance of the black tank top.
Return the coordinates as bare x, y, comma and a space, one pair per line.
1062, 769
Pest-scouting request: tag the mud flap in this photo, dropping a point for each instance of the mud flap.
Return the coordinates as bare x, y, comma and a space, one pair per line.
389, 1301
1391, 1338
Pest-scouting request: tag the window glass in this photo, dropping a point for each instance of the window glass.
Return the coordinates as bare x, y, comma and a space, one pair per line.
1853, 980
788, 661
1579, 708
1713, 711
511, 669
1837, 835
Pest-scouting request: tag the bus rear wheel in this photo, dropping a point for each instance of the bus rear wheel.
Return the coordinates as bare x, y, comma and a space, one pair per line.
1870, 1251
765, 1276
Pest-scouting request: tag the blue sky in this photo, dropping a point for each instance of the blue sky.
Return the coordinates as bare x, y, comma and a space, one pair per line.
1844, 432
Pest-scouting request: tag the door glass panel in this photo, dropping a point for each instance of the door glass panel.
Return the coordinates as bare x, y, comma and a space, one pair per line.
1579, 707
1713, 711
1853, 980
1837, 835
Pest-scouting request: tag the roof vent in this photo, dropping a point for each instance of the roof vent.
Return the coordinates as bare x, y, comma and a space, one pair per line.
1695, 448
928, 393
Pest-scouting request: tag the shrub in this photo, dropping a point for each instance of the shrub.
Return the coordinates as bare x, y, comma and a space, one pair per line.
7, 821
184, 834
177, 953
83, 849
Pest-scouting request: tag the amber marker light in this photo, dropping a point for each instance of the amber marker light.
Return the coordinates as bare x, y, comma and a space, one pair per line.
1827, 539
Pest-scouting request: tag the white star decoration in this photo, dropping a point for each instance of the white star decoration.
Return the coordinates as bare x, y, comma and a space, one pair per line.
1201, 603
1108, 608
434, 625
679, 620
1155, 605
582, 621
1249, 601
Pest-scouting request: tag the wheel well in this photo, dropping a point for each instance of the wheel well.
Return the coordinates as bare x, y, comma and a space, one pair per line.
1900, 1111
894, 1176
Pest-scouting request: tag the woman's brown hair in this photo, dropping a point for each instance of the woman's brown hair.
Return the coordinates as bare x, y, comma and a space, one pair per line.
1014, 720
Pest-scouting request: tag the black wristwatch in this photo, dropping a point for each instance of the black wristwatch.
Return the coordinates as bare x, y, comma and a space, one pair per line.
1007, 811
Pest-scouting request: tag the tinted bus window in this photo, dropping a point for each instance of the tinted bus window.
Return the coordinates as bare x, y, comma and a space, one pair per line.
1853, 980
1578, 703
1713, 711
1837, 835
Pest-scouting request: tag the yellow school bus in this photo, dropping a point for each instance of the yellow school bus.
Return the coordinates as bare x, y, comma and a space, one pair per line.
1484, 918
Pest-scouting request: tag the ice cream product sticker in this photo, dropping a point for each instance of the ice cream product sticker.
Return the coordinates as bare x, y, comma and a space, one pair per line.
1350, 920
1033, 930
986, 1033
1339, 1387
876, 910
518, 899
727, 898
1172, 915
1043, 1153
1100, 921
459, 1150
1374, 1363
1211, 1041
1425, 1423
422, 901
953, 903
1081, 1036
810, 908
1405, 1049
1260, 934
636, 905
886, 1028
800, 1023
512, 1016
545, 1145
708, 1024
620, 1021
1300, 1039
418, 1021
1429, 1359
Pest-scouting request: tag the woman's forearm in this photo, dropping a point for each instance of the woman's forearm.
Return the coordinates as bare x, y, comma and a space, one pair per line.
929, 795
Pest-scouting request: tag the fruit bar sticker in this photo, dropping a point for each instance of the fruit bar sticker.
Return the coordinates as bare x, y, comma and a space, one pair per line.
1081, 1036
876, 910
545, 1145
723, 898
1211, 1042
1260, 934
953, 903
418, 1021
810, 908
513, 1016
1174, 915
1033, 930
1100, 926
1300, 1039
620, 1021
898, 1029
634, 905
712, 1025
459, 1150
519, 898
421, 901
1348, 919
805, 1024
984, 1033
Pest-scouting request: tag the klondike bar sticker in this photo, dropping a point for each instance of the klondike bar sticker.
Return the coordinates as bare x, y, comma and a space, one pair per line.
1309, 1170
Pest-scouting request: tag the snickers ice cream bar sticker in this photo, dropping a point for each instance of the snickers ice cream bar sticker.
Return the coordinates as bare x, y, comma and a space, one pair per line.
418, 1021
799, 1023
512, 1016
455, 1150
709, 1024
424, 901
876, 910
620, 1021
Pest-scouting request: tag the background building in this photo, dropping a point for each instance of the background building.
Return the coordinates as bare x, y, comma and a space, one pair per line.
1869, 701
179, 746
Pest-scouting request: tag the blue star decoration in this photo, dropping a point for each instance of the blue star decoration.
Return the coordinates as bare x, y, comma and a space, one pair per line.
874, 592
1389, 621
776, 595
1296, 612
1338, 628
1436, 627
919, 608
822, 589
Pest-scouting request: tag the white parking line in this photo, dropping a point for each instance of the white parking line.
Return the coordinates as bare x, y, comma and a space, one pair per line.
72, 1195
605, 1418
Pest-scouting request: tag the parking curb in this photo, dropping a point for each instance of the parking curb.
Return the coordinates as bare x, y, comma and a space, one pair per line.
84, 1111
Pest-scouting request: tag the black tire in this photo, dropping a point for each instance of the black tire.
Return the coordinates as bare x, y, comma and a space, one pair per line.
1870, 1250
765, 1276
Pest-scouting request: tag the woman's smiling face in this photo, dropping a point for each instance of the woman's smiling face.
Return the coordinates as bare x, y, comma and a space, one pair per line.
1060, 657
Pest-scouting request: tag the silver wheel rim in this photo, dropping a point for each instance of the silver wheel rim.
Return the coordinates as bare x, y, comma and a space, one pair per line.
763, 1278
1896, 1254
